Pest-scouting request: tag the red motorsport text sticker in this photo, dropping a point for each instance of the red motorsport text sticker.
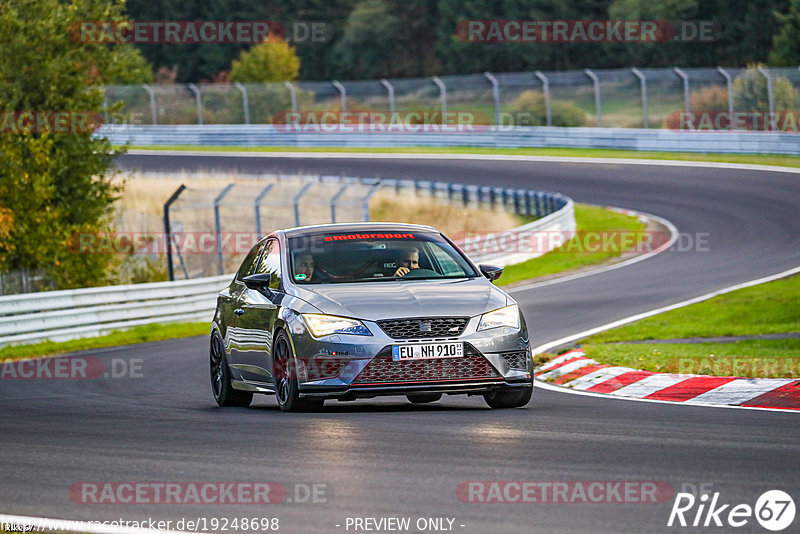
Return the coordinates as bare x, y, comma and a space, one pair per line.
354, 121
177, 493
787, 121
175, 31
54, 368
564, 492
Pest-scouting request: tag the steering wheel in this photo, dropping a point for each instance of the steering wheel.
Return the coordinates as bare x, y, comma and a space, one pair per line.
420, 273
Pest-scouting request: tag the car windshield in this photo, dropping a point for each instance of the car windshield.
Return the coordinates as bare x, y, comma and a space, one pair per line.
345, 257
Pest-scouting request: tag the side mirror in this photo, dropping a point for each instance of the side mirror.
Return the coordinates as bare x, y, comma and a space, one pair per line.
491, 272
257, 281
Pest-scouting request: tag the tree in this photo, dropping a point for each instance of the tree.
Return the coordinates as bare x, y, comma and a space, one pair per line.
271, 61
786, 47
53, 178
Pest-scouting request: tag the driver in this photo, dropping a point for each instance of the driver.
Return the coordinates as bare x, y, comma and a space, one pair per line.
409, 259
304, 265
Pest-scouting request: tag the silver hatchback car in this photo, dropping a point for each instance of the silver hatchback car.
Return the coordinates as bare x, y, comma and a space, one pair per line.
348, 311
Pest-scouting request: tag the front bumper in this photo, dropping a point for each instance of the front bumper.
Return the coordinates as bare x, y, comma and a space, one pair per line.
349, 367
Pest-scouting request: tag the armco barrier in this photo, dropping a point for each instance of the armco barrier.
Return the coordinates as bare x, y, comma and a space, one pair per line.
494, 137
70, 314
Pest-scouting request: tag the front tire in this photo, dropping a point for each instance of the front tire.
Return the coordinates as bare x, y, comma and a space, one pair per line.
221, 386
509, 398
287, 391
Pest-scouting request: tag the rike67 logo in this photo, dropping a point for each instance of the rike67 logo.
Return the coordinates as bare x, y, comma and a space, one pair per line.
774, 510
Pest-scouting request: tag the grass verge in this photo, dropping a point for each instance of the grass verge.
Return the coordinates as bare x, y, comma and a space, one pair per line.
573, 254
138, 334
753, 159
771, 308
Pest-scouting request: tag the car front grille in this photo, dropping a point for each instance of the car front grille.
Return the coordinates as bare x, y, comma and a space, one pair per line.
516, 360
382, 369
424, 327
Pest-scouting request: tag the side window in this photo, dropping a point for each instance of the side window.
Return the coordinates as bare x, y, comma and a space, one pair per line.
448, 266
270, 262
249, 263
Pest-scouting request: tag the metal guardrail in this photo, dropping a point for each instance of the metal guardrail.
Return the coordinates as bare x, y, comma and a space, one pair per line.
493, 137
70, 314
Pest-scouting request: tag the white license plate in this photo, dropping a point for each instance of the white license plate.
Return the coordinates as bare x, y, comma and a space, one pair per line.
426, 351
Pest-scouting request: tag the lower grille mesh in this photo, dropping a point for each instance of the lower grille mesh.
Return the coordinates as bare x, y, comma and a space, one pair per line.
383, 369
516, 360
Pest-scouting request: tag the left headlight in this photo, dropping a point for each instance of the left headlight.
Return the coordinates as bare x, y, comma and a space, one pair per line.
323, 325
508, 316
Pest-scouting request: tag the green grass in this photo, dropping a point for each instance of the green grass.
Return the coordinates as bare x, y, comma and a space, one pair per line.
566, 257
750, 358
138, 334
754, 159
770, 308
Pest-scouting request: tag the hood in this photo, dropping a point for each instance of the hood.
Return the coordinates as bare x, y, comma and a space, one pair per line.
394, 299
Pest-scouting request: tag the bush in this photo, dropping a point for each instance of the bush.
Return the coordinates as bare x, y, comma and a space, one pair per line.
528, 109
271, 61
750, 92
713, 98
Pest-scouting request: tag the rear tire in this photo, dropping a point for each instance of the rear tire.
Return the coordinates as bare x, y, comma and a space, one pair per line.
423, 398
221, 385
287, 391
509, 398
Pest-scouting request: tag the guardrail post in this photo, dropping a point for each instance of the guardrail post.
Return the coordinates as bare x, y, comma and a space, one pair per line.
342, 97
245, 104
495, 95
687, 101
596, 84
390, 90
167, 231
199, 101
729, 83
297, 203
264, 192
546, 90
643, 83
442, 94
770, 97
217, 227
334, 199
292, 95
365, 202
153, 108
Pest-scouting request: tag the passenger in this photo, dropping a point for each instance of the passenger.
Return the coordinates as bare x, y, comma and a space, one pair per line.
304, 267
408, 260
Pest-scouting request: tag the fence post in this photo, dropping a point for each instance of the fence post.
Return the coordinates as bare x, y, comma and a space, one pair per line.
292, 95
153, 109
220, 259
365, 202
442, 94
546, 90
259, 198
297, 203
770, 97
729, 83
167, 231
687, 102
199, 101
334, 199
343, 97
643, 83
495, 96
245, 103
390, 90
596, 83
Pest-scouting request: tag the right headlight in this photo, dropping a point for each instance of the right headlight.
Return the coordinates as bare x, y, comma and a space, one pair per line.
508, 316
322, 325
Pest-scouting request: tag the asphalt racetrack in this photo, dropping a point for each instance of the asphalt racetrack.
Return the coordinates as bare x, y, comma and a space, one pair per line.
386, 458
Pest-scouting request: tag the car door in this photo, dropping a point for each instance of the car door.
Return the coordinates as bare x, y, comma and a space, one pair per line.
258, 313
230, 309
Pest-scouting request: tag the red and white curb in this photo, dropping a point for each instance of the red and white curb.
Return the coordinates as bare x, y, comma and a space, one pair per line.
576, 371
